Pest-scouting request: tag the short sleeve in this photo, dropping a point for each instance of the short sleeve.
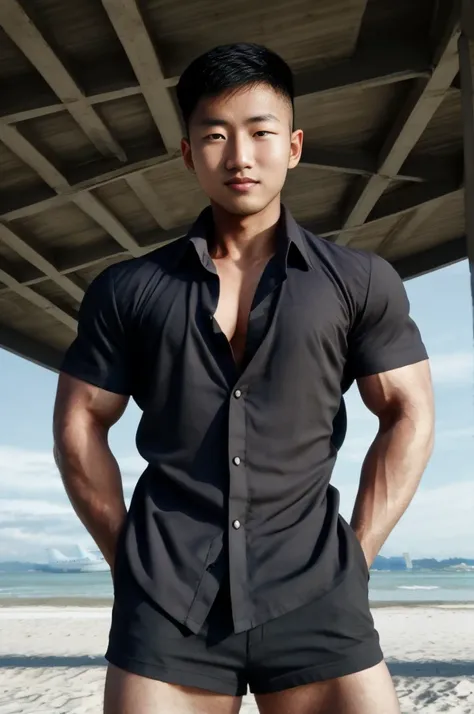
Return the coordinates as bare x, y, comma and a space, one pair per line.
99, 354
384, 336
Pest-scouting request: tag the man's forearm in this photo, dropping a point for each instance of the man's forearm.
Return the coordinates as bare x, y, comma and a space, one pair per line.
92, 480
391, 473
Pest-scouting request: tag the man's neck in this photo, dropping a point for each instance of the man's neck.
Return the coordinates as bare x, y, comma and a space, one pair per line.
245, 239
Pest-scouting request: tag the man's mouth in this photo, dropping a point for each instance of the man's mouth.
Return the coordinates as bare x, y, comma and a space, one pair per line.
241, 184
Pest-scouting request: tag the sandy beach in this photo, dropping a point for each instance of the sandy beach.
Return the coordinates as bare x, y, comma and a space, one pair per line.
51, 658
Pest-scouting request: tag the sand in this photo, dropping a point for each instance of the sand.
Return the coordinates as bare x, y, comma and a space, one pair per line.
51, 658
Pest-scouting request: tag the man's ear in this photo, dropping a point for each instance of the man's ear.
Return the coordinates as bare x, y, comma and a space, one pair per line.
296, 147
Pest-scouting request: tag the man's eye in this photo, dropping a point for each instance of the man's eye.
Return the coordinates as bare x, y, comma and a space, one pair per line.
213, 137
263, 133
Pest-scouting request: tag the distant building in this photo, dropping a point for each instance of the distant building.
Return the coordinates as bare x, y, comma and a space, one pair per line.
394, 563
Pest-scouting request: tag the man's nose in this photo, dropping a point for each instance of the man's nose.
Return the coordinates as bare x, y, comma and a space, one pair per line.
239, 154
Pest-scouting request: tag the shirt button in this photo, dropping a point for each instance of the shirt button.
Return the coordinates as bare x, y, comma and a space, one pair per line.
236, 525
236, 460
237, 394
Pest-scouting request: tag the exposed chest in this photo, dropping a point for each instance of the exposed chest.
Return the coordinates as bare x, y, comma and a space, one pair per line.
301, 321
237, 289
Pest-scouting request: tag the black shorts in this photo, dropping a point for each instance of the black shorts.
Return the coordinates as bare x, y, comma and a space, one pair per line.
330, 637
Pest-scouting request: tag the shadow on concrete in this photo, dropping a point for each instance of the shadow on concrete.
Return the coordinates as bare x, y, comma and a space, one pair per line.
432, 668
51, 661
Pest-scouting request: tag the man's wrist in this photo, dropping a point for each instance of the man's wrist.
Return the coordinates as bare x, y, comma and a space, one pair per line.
367, 544
369, 552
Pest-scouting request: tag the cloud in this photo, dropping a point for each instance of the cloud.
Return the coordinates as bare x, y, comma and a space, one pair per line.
452, 368
14, 509
355, 448
438, 523
34, 473
35, 512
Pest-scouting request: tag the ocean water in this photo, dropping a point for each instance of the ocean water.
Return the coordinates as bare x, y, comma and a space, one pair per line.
421, 586
403, 587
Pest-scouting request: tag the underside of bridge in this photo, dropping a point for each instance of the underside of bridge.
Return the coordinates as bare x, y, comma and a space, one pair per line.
90, 168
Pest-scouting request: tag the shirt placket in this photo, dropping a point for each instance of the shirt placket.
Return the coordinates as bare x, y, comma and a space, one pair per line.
237, 512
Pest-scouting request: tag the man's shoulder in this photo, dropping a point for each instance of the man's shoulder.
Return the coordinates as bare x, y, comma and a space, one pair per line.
127, 284
137, 271
358, 274
343, 260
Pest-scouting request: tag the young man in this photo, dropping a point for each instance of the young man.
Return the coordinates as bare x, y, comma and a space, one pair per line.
233, 566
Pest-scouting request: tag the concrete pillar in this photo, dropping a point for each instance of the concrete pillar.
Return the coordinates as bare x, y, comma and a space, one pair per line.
467, 100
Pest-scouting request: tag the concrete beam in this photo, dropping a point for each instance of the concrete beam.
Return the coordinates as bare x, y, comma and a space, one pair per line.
467, 103
21, 29
368, 67
394, 204
148, 197
35, 298
440, 256
467, 100
351, 162
19, 344
32, 256
130, 28
422, 104
51, 175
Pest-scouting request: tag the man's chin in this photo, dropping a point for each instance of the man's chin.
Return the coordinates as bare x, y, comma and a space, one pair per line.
242, 206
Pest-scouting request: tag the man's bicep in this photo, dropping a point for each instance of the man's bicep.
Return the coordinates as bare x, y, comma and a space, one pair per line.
84, 403
403, 391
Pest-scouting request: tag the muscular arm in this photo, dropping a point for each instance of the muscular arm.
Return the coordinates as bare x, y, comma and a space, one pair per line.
402, 399
83, 415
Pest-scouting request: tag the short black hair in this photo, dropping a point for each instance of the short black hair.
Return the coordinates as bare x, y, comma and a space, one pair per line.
232, 66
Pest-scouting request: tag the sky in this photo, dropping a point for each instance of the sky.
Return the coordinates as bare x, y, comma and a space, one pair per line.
35, 513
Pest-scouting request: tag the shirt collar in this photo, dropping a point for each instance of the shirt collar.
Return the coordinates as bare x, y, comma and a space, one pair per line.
291, 242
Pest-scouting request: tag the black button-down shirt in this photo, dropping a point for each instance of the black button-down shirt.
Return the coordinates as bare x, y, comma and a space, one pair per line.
240, 459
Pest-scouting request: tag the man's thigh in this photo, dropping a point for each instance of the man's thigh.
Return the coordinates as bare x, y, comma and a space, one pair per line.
127, 693
368, 692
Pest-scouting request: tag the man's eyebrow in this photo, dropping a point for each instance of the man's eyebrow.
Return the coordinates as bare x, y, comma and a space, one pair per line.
216, 121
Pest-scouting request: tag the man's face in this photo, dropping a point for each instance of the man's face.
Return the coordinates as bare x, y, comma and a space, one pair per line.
243, 134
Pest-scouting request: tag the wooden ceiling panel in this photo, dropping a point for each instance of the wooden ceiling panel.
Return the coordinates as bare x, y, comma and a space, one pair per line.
53, 292
184, 30
10, 258
172, 182
443, 135
349, 118
121, 200
314, 194
59, 229
131, 123
80, 31
20, 315
444, 223
369, 236
14, 174
386, 19
60, 137
13, 62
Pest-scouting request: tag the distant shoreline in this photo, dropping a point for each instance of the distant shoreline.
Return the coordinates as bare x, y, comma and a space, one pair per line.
96, 602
